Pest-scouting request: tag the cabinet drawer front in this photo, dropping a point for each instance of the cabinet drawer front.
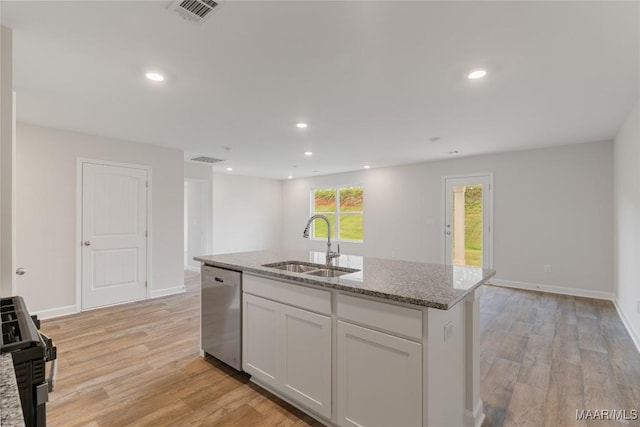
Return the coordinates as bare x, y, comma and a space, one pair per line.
387, 317
287, 293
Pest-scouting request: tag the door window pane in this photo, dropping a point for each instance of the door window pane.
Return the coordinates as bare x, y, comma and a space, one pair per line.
467, 225
473, 225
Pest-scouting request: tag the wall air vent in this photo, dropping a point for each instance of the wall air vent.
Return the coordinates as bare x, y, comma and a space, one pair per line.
205, 159
195, 11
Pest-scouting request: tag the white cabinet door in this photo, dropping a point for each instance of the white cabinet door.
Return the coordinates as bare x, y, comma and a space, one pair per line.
288, 349
306, 358
379, 378
261, 339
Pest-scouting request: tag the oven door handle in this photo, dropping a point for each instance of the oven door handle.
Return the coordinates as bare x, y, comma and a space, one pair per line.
50, 355
53, 373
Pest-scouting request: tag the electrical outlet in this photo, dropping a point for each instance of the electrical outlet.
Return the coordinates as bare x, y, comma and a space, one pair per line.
448, 331
547, 268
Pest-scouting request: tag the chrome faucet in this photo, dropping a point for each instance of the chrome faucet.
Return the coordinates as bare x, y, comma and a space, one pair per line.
330, 254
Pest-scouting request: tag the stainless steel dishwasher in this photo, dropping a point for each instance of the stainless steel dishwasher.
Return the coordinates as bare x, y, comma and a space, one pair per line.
221, 314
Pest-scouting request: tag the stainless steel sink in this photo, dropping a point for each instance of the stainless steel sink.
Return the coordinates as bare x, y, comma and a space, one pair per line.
311, 269
329, 272
294, 266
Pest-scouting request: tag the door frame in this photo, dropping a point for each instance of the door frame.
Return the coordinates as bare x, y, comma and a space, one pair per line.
207, 208
443, 199
80, 161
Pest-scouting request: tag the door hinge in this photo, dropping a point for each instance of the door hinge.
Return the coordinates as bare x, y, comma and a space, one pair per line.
146, 284
146, 233
146, 184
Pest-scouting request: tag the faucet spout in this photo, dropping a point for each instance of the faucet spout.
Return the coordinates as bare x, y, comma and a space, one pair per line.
330, 254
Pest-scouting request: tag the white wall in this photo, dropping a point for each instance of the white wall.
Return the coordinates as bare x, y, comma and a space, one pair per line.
197, 220
46, 207
551, 206
200, 171
246, 213
7, 166
196, 174
627, 221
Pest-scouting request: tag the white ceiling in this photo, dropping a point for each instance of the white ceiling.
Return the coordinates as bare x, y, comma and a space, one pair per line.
374, 80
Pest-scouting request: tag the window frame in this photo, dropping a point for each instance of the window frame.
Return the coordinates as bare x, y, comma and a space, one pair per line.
336, 213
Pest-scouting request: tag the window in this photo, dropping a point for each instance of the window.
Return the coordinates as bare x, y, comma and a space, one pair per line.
343, 206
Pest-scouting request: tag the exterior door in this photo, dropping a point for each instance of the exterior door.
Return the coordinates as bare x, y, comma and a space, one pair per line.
114, 234
468, 218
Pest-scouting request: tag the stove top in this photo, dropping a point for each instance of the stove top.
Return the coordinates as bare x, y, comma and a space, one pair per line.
19, 330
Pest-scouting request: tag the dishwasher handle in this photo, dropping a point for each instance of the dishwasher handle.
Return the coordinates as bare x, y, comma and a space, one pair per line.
222, 282
220, 277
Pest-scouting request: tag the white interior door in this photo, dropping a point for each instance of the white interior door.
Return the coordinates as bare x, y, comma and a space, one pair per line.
114, 234
468, 220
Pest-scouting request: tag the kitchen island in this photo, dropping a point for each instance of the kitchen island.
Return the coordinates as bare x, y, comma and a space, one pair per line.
10, 406
365, 342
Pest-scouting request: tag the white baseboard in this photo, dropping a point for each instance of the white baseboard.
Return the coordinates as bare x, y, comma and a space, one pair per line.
72, 309
476, 418
167, 291
610, 296
191, 268
628, 325
297, 405
56, 312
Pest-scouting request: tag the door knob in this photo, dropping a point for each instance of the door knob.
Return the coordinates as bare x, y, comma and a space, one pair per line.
21, 271
448, 232
87, 243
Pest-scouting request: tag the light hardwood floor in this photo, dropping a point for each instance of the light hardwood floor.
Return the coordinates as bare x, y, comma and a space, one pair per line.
542, 357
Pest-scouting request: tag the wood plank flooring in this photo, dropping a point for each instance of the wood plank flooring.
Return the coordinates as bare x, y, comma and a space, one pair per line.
542, 357
138, 364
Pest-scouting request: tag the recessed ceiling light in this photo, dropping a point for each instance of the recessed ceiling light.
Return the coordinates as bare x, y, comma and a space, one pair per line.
308, 153
290, 177
156, 77
477, 74
367, 166
229, 169
301, 125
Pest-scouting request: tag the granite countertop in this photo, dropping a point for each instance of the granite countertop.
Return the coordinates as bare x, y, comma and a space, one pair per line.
429, 285
10, 407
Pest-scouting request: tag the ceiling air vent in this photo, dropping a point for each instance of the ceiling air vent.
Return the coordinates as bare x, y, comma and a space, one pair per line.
195, 11
205, 159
